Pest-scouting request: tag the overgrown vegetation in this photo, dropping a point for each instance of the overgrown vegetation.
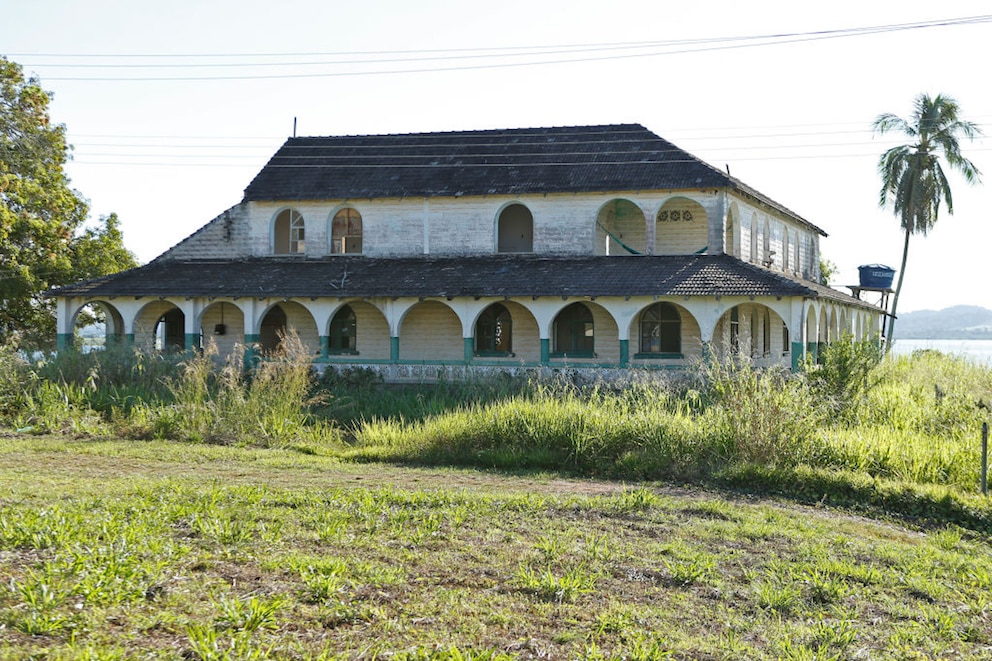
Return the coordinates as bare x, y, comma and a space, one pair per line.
913, 419
113, 548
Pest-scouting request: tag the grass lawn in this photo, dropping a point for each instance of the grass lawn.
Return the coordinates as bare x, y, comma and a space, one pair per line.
131, 549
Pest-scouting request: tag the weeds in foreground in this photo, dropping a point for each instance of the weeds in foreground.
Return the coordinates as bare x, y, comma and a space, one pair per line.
911, 419
524, 573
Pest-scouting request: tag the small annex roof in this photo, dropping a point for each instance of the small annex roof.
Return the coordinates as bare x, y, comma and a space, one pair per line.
576, 159
482, 275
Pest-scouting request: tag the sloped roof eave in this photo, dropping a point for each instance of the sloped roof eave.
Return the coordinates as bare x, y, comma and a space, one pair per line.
493, 275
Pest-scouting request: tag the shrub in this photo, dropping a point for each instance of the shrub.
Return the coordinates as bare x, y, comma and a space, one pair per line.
846, 374
222, 403
16, 378
763, 416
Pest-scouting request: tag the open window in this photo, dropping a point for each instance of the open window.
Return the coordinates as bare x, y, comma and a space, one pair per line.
289, 233
343, 335
661, 332
515, 229
346, 232
573, 333
494, 332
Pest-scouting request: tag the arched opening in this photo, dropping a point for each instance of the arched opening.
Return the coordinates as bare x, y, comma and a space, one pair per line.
431, 331
494, 332
811, 332
515, 229
785, 249
360, 326
753, 330
97, 326
573, 332
284, 318
170, 332
160, 326
289, 233
730, 236
753, 229
343, 332
346, 232
223, 325
767, 254
795, 254
681, 228
660, 326
620, 229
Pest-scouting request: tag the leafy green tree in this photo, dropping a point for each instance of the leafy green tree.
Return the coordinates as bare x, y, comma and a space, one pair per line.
42, 240
913, 180
828, 270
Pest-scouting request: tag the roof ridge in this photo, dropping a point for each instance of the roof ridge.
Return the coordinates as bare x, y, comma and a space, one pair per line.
563, 129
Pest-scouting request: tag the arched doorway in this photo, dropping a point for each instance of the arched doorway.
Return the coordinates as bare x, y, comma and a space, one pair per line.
573, 333
494, 332
620, 229
97, 325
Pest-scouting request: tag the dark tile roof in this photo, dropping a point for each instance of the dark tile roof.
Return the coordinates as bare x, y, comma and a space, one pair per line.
620, 157
483, 275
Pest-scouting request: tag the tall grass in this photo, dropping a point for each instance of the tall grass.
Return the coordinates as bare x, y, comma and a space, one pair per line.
642, 430
223, 403
913, 419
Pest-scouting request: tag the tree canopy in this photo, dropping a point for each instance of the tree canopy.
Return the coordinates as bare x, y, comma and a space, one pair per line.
43, 239
913, 179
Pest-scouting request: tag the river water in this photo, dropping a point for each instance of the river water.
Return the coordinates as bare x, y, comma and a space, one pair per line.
979, 351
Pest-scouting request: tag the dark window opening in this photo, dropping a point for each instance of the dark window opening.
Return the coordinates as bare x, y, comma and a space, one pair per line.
573, 332
343, 332
272, 329
494, 332
661, 330
170, 332
515, 230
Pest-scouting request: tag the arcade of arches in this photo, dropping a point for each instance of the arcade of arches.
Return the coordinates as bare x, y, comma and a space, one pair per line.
547, 331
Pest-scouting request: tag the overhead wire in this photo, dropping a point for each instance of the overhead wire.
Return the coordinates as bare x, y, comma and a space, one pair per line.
654, 49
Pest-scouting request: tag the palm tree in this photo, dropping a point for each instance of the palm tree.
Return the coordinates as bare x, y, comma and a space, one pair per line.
912, 176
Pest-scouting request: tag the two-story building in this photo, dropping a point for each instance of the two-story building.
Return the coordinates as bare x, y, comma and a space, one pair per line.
584, 247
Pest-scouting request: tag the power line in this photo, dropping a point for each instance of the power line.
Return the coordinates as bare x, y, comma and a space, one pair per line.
656, 49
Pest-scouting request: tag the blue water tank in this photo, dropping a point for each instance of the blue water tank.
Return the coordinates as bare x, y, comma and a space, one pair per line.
876, 276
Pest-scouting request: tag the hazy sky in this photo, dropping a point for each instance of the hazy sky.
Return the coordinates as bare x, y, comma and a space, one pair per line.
174, 107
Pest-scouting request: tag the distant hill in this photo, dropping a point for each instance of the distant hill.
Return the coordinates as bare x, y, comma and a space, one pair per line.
961, 322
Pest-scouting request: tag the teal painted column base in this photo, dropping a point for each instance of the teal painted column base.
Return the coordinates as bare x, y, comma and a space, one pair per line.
325, 346
251, 350
624, 353
811, 350
469, 349
192, 342
129, 339
545, 351
394, 349
64, 342
797, 356
708, 353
